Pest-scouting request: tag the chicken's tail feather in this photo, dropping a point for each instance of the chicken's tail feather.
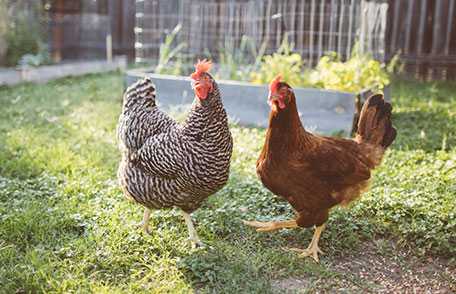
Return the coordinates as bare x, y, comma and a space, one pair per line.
143, 88
375, 126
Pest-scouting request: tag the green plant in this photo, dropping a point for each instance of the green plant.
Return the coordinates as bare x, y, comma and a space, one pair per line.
169, 52
40, 58
283, 62
395, 66
24, 33
358, 73
238, 63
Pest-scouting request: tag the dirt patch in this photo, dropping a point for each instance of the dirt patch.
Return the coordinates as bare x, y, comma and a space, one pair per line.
373, 269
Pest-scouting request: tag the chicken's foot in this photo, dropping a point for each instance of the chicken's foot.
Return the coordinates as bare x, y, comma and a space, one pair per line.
271, 226
145, 222
313, 248
193, 235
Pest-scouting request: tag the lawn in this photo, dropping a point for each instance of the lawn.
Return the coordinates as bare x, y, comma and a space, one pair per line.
65, 226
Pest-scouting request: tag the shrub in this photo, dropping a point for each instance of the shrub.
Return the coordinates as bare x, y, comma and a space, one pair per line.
169, 52
283, 62
358, 73
239, 63
24, 33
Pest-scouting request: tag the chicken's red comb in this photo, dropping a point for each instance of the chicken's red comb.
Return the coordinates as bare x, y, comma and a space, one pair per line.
202, 66
274, 83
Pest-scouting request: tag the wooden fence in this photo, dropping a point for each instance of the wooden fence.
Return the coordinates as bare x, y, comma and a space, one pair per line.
314, 27
424, 33
78, 29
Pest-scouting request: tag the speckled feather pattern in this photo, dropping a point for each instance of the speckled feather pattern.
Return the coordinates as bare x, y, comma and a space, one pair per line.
166, 164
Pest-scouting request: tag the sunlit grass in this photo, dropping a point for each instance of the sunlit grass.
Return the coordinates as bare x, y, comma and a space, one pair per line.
64, 225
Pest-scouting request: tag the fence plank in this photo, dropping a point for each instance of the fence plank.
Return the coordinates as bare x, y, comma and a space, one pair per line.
449, 27
422, 25
311, 32
396, 27
437, 36
292, 25
341, 25
408, 25
350, 28
332, 25
321, 35
300, 43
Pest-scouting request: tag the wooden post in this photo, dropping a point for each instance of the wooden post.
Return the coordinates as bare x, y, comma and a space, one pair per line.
109, 48
57, 31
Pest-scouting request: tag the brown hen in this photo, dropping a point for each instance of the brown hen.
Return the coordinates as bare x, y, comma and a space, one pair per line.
315, 173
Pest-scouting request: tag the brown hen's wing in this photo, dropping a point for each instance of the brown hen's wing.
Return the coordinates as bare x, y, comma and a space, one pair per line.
338, 162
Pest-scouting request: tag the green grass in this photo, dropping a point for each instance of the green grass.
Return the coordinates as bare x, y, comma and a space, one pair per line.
64, 225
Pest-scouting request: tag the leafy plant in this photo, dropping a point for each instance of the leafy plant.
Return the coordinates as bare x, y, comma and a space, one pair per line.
238, 63
395, 65
358, 73
169, 52
283, 62
24, 33
40, 58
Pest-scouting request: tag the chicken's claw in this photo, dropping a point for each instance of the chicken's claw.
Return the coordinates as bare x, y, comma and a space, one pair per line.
196, 243
313, 248
311, 251
144, 227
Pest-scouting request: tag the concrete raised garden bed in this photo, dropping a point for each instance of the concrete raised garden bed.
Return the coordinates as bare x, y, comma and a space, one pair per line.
321, 111
46, 73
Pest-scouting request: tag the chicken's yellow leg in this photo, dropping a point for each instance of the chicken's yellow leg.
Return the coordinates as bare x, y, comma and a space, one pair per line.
145, 222
191, 230
313, 248
271, 226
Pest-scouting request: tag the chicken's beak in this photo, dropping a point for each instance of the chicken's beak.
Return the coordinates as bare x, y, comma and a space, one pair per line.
202, 88
275, 103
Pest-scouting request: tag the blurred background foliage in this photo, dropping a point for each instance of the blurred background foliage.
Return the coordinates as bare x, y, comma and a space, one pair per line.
23, 32
249, 63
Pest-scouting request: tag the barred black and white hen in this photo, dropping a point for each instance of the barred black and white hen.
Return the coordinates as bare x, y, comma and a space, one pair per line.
166, 164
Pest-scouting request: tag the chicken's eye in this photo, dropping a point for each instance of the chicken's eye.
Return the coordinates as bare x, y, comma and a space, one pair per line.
283, 93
